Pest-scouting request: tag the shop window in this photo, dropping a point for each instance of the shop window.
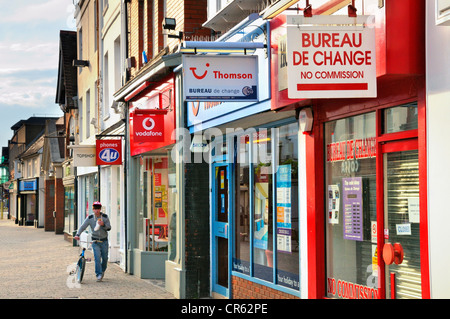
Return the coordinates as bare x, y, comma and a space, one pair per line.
242, 213
153, 220
266, 205
287, 207
69, 209
350, 181
172, 230
263, 206
400, 118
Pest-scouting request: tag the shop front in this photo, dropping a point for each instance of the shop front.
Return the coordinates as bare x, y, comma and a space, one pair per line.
152, 178
27, 202
109, 158
365, 162
254, 180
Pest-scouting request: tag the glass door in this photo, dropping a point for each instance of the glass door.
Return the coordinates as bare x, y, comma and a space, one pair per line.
220, 215
401, 249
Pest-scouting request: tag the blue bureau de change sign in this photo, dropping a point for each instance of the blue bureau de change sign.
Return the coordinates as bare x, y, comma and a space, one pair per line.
26, 186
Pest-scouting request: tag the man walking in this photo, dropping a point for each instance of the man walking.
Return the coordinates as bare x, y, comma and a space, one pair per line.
100, 226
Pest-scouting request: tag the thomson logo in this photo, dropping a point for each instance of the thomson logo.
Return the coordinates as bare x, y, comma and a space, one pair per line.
221, 75
199, 77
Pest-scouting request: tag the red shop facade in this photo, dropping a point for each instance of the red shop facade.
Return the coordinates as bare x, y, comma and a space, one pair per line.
365, 164
150, 180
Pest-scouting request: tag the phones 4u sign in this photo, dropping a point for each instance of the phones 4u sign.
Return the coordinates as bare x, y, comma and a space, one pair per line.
109, 152
331, 57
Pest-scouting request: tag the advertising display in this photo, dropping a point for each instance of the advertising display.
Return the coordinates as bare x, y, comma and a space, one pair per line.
109, 152
284, 224
331, 57
84, 155
152, 118
220, 78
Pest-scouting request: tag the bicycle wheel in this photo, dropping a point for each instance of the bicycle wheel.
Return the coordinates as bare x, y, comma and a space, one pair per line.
80, 269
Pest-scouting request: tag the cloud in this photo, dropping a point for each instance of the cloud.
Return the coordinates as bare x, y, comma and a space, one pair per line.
28, 55
45, 11
29, 88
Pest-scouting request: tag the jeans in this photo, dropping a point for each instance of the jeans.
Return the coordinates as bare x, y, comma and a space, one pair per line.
100, 256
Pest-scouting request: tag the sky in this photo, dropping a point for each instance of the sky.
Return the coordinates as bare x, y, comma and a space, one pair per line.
29, 52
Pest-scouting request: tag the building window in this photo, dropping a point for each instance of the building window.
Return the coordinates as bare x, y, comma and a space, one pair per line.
88, 113
153, 204
350, 192
69, 209
266, 242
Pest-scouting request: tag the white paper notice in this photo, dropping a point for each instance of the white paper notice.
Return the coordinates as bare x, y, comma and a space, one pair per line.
414, 210
333, 204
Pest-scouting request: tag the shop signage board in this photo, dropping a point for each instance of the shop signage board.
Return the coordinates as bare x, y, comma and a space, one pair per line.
331, 57
148, 127
109, 152
84, 155
152, 118
220, 78
28, 186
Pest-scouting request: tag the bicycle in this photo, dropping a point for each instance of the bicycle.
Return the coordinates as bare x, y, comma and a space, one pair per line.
81, 264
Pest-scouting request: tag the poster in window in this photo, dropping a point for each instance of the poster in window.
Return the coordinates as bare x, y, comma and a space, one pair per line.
352, 208
333, 204
284, 224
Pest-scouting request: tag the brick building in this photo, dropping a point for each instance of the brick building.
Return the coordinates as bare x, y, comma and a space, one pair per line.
166, 208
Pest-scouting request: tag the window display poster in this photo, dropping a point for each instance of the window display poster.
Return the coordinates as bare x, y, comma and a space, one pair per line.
352, 208
333, 204
261, 231
284, 224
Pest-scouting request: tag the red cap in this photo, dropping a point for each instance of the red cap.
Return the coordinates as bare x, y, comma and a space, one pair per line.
97, 204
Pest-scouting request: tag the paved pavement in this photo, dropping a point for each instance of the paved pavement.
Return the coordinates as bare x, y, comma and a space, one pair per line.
35, 264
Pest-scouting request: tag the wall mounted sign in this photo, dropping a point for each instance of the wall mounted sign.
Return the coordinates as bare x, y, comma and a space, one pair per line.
331, 57
109, 152
152, 118
28, 186
148, 127
220, 78
84, 155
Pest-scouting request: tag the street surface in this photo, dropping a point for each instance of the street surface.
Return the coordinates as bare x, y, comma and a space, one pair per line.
35, 264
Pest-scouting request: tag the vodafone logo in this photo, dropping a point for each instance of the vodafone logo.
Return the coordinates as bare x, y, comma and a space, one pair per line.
199, 77
148, 124
149, 127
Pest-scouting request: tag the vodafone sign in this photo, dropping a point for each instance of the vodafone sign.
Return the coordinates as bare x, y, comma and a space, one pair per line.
148, 128
331, 57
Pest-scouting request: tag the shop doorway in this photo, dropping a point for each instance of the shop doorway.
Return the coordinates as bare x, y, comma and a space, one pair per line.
220, 221
402, 236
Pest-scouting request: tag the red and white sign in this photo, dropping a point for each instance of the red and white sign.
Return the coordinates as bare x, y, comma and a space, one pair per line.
220, 78
109, 152
148, 127
331, 57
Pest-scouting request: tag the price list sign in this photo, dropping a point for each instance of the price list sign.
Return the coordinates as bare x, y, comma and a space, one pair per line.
352, 203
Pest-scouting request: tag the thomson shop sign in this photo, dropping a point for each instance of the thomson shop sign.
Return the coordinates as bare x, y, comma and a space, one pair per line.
220, 78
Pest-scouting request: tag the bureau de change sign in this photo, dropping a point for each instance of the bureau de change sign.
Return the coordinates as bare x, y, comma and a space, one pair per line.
331, 57
220, 78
